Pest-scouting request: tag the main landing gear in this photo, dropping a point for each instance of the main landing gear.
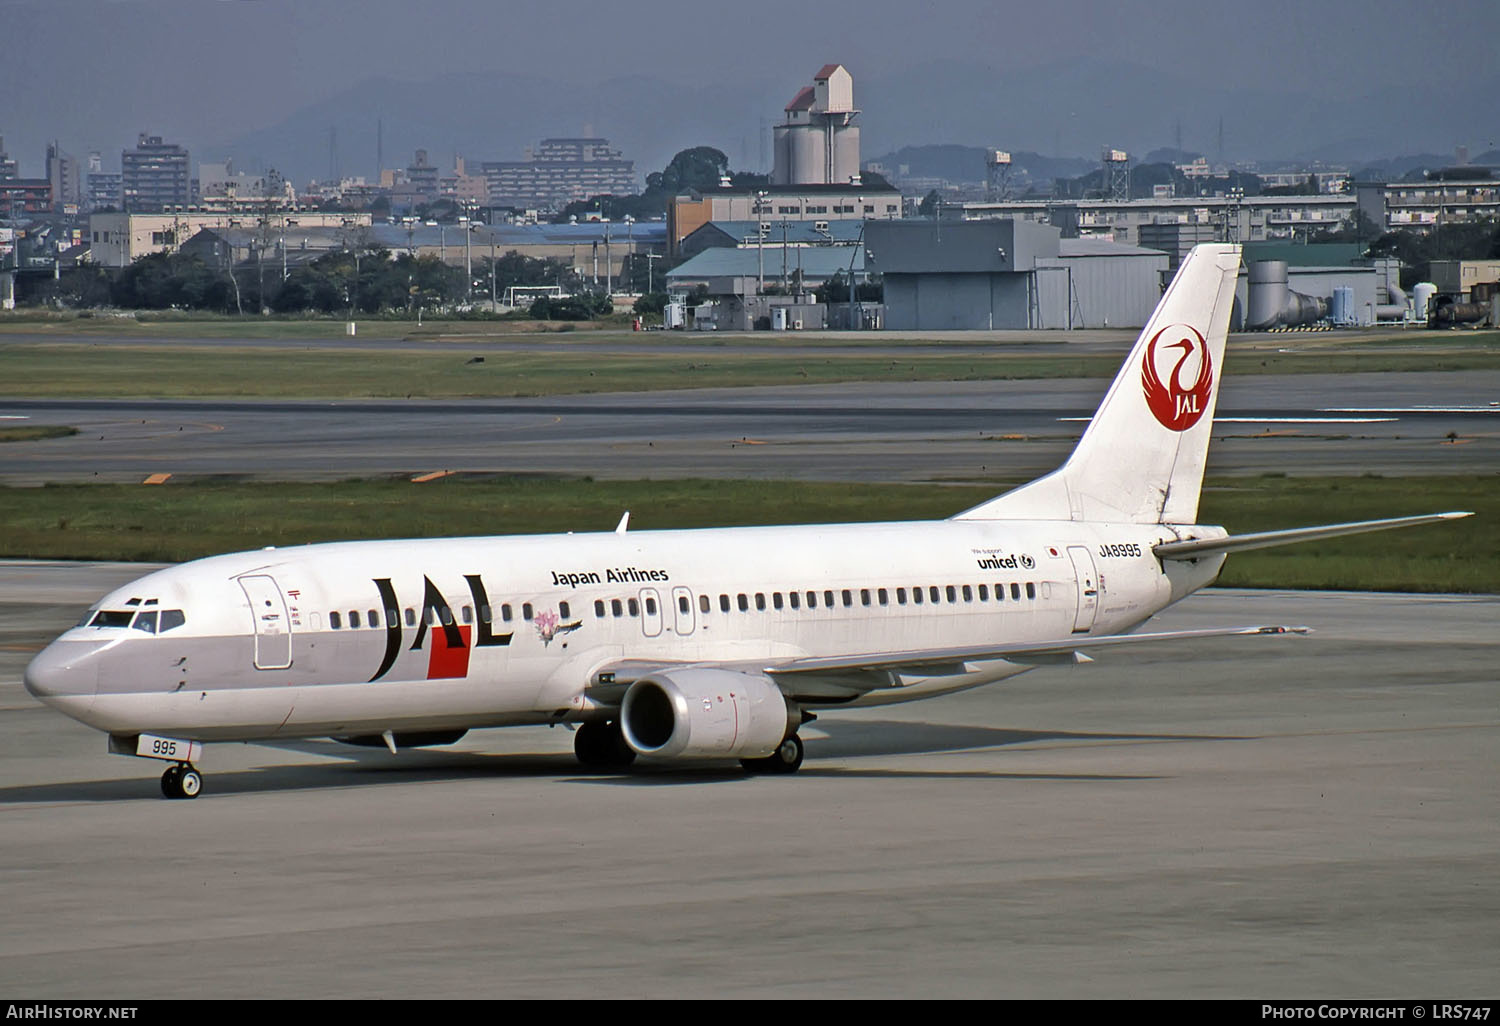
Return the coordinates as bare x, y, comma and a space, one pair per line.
786, 759
602, 746
181, 781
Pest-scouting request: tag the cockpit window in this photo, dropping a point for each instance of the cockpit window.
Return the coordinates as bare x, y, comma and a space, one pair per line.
145, 622
112, 618
171, 618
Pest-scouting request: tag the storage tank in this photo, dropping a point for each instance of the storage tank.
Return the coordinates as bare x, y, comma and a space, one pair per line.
1422, 294
1342, 310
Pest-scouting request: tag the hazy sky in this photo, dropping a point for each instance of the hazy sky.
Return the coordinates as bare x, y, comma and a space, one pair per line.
93, 73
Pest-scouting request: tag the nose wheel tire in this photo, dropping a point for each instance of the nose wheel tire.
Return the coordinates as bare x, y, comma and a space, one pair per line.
181, 781
786, 759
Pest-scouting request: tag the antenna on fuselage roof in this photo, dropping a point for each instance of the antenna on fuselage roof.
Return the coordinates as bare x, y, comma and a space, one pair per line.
623, 524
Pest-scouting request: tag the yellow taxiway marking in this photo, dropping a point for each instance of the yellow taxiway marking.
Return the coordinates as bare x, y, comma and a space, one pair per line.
157, 479
424, 478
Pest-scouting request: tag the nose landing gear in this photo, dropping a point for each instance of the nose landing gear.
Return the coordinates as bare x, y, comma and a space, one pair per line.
181, 781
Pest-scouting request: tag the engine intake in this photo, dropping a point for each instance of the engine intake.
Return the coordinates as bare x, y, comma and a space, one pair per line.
701, 712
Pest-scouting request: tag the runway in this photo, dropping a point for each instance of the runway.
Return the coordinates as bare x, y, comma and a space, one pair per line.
1289, 817
1395, 424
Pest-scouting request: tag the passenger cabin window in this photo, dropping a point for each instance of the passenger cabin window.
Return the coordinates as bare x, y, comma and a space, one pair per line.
334, 621
952, 593
828, 599
411, 617
634, 607
812, 600
445, 613
760, 601
616, 608
684, 606
703, 603
353, 618
883, 596
932, 594
864, 596
776, 599
564, 610
598, 608
650, 606
848, 597
467, 614
373, 618
795, 599
984, 593
526, 611
916, 596
744, 603
505, 613
1030, 590
900, 596
968, 594
1015, 591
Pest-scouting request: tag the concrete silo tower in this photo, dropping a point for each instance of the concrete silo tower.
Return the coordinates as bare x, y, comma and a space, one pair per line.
818, 143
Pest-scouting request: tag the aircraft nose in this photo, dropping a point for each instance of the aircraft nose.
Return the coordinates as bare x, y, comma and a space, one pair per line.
65, 673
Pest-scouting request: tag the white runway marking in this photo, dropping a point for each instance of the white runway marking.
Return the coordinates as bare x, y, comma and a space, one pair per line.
1491, 408
1276, 420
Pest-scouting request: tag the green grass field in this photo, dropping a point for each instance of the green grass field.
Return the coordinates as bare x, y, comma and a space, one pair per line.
73, 369
183, 521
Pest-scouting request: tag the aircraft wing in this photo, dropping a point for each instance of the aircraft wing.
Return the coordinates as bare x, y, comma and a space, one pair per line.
1061, 649
842, 677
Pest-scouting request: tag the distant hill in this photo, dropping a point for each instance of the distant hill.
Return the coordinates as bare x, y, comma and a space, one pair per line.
937, 119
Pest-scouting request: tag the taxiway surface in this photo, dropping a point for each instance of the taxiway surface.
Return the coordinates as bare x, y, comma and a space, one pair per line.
1268, 817
1394, 423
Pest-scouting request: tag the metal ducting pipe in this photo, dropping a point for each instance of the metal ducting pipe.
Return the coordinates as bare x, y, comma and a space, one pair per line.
1460, 313
1273, 305
1395, 308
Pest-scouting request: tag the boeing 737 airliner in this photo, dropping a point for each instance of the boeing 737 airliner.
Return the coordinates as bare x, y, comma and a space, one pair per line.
703, 644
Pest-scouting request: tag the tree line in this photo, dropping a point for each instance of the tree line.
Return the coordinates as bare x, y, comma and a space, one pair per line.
371, 282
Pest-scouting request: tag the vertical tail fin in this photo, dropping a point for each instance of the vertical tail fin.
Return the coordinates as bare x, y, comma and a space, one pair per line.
1141, 458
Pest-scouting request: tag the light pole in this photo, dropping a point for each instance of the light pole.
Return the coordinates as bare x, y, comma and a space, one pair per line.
609, 268
760, 242
468, 269
630, 253
858, 245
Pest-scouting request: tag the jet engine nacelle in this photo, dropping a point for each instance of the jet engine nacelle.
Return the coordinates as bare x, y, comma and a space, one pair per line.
701, 712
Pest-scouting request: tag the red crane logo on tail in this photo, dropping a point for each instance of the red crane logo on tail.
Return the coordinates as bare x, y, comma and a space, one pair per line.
1176, 405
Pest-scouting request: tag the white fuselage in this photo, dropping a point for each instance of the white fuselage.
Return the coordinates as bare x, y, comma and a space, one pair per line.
363, 637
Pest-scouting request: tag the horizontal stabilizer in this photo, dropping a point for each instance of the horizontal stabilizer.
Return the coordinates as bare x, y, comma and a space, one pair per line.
1196, 548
